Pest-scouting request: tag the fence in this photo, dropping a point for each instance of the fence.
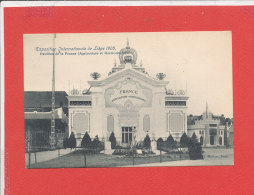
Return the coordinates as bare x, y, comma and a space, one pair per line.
124, 155
39, 140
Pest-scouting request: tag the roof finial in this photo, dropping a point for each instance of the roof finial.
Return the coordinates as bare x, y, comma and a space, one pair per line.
128, 44
141, 63
115, 63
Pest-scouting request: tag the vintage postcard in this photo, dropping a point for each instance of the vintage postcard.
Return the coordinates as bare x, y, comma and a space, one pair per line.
149, 98
128, 99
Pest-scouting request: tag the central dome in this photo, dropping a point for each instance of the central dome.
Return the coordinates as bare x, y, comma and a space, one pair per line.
128, 55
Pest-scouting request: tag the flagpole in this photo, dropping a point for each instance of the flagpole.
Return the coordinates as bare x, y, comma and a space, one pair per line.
52, 132
206, 109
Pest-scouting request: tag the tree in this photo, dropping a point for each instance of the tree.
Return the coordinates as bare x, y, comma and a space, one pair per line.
195, 148
222, 120
112, 139
170, 142
86, 141
228, 121
72, 141
160, 143
147, 142
96, 142
194, 137
184, 141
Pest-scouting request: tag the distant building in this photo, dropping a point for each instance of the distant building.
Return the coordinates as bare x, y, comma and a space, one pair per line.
41, 121
230, 135
210, 130
41, 101
38, 113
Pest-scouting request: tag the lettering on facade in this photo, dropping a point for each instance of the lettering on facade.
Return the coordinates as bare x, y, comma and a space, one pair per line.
128, 90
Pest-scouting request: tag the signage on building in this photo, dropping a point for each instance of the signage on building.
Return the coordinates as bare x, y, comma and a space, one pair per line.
128, 91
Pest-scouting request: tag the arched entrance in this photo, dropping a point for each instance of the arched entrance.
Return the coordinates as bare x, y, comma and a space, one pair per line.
211, 140
128, 121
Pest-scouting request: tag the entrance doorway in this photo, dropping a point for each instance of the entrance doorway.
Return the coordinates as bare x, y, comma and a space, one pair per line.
211, 140
220, 140
127, 134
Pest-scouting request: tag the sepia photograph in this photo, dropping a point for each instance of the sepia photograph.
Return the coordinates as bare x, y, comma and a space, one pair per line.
136, 99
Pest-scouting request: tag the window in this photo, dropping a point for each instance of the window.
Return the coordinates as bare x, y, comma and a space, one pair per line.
127, 134
146, 123
175, 103
80, 103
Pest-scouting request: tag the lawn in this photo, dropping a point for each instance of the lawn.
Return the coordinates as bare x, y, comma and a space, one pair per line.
76, 160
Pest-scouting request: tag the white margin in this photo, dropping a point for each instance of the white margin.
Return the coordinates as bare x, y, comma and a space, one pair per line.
127, 3
84, 3
2, 171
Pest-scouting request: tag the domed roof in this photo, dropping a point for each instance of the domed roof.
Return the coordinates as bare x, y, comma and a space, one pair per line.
128, 55
128, 59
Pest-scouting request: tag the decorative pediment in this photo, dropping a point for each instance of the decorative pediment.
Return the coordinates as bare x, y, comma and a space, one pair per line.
129, 72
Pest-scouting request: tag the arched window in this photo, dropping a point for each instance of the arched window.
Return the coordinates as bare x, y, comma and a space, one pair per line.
110, 123
146, 123
220, 140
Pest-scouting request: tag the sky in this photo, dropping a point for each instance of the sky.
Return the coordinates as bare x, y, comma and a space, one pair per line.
200, 61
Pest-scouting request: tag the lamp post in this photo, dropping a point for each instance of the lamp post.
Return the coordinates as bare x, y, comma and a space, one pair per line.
133, 144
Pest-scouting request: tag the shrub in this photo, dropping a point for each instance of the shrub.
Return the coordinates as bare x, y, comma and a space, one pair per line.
125, 151
170, 142
66, 143
194, 137
86, 141
72, 141
140, 145
160, 143
195, 148
184, 141
195, 151
96, 142
147, 151
112, 139
147, 142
